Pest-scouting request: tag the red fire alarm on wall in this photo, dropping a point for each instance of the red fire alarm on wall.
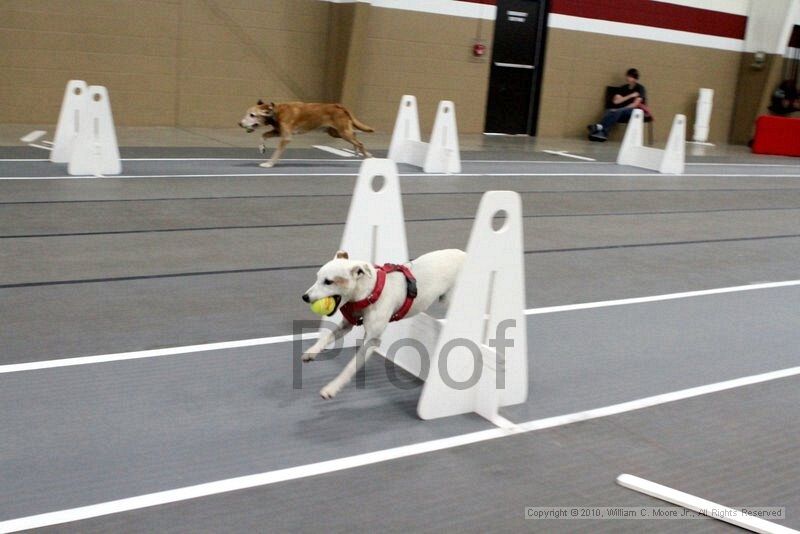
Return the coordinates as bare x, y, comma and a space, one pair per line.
478, 49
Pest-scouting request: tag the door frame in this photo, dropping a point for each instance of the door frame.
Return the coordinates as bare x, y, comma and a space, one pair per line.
538, 75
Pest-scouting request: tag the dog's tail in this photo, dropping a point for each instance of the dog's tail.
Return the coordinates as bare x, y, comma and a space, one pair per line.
357, 123
360, 125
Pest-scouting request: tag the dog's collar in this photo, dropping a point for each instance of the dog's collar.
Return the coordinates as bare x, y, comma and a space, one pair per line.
351, 309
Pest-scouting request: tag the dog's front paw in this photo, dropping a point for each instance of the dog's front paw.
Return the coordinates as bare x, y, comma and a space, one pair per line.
329, 391
310, 356
267, 164
262, 148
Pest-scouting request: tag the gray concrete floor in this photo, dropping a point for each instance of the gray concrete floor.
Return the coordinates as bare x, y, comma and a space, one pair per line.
189, 137
146, 425
188, 252
745, 453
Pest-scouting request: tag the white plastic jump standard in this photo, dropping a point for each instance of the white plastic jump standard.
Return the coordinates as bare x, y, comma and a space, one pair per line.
375, 228
406, 145
73, 111
442, 154
96, 151
465, 370
671, 160
486, 306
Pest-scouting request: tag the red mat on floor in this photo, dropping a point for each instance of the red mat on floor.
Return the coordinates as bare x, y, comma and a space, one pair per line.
779, 136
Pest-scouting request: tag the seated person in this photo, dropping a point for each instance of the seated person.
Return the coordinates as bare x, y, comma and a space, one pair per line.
786, 98
627, 98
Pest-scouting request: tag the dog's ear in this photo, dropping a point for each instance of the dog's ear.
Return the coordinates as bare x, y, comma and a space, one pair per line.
369, 270
341, 255
362, 269
260, 102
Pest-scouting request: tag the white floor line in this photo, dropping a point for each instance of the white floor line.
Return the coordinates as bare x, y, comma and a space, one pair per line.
700, 143
153, 353
171, 351
501, 422
688, 164
239, 483
567, 155
33, 136
303, 160
656, 400
661, 298
423, 175
34, 145
332, 150
702, 506
350, 462
744, 164
228, 175
789, 165
300, 160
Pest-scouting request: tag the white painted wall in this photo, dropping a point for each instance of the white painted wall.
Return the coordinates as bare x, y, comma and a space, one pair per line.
737, 7
484, 11
440, 7
770, 24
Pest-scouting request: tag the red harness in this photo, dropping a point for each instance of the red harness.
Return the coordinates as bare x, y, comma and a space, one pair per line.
350, 309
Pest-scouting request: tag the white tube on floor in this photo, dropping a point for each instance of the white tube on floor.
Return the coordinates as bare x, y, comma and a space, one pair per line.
702, 506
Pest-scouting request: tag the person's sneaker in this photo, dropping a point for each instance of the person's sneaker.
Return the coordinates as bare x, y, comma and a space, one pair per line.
592, 129
600, 137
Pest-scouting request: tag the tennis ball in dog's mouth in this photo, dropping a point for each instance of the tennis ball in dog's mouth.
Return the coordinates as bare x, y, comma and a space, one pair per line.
323, 306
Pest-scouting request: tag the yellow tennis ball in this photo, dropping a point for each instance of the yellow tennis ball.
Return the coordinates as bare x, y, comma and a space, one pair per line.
323, 306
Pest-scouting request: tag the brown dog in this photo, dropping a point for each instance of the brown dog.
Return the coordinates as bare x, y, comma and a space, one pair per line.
297, 118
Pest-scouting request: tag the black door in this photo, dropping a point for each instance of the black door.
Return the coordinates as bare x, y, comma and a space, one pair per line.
515, 77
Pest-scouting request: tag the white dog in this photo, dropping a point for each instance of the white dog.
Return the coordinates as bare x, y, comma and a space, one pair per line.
375, 296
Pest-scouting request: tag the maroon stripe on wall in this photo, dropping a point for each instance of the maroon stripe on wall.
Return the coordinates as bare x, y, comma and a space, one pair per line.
651, 13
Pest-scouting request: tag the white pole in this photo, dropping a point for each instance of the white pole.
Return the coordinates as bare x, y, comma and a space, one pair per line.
702, 506
705, 103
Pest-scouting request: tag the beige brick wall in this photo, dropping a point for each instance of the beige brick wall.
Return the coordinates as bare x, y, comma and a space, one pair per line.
754, 94
201, 62
429, 56
178, 62
579, 65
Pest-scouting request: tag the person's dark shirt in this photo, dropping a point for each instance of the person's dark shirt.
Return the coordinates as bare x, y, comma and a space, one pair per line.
784, 98
625, 90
